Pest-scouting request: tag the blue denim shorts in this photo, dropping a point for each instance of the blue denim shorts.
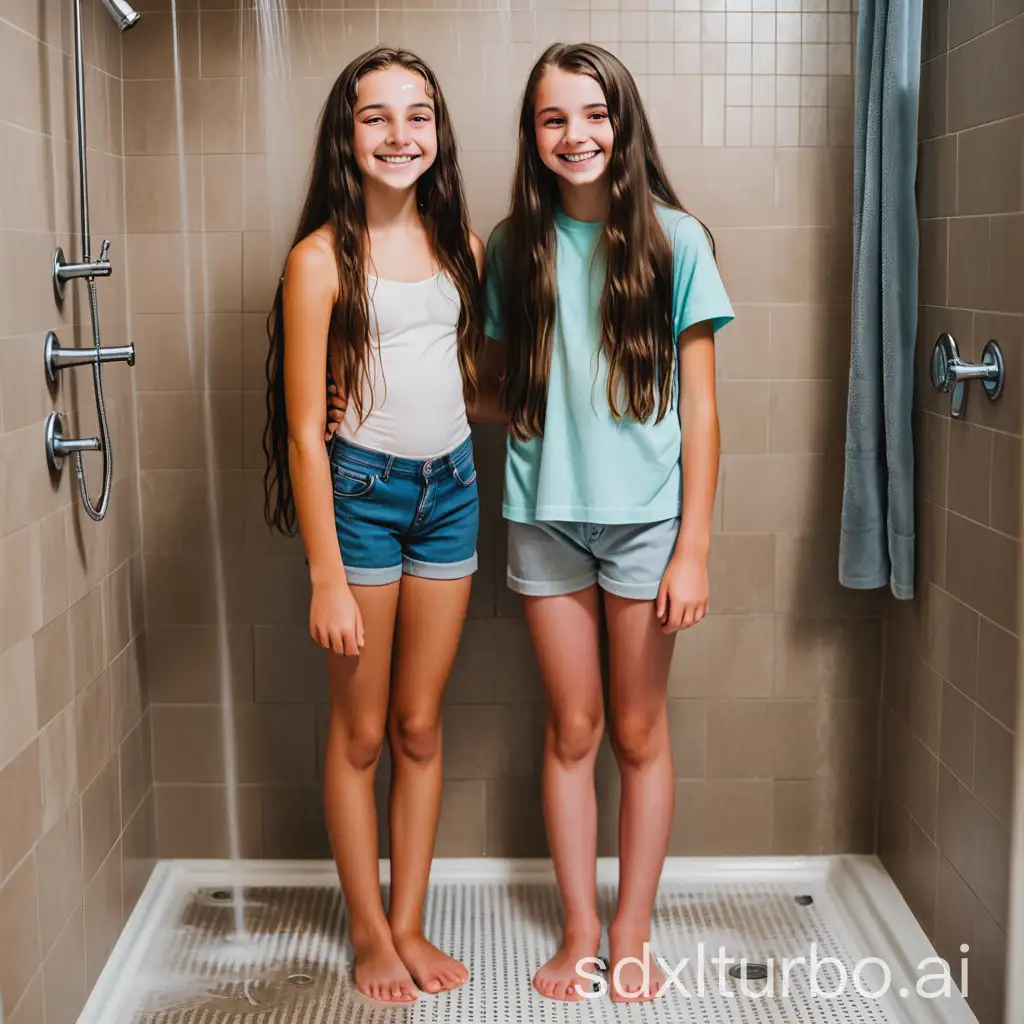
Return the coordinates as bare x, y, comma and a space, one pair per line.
396, 515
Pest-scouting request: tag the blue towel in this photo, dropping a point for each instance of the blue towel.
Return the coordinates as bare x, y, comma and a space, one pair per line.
877, 540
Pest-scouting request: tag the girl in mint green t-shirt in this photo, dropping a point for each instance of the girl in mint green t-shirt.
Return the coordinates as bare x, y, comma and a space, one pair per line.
604, 297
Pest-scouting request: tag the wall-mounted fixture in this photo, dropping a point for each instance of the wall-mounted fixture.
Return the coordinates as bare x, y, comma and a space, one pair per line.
951, 373
56, 358
122, 13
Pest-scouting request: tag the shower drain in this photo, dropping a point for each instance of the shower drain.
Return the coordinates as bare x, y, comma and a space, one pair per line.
222, 898
295, 966
749, 972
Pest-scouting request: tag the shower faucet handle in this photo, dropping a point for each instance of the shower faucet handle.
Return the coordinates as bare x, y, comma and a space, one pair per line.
104, 249
951, 373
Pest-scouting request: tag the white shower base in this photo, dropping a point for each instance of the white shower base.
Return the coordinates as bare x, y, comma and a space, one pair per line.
177, 963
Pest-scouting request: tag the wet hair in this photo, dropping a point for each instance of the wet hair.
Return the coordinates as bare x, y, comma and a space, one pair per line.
636, 304
335, 199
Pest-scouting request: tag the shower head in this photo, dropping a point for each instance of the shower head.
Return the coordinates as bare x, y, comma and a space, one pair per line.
122, 12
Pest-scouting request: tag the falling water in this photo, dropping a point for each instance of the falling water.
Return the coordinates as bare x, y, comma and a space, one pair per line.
280, 131
224, 669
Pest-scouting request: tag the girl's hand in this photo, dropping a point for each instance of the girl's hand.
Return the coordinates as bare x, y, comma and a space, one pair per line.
335, 411
684, 593
334, 618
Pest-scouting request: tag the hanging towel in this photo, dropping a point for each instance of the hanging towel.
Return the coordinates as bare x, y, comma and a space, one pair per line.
877, 539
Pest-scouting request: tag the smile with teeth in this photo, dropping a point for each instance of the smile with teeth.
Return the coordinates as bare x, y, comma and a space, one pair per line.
578, 158
406, 159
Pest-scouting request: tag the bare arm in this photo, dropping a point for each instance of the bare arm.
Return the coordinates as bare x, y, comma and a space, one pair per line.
701, 440
310, 291
684, 595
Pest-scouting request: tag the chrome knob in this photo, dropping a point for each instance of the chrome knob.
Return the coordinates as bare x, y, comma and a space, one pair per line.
950, 373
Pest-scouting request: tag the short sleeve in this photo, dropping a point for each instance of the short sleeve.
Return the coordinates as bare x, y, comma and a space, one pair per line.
697, 291
493, 276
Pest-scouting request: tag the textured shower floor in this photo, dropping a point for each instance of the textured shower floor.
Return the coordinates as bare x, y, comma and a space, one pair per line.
179, 963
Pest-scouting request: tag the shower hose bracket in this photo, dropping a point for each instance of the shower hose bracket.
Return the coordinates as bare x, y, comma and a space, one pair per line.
63, 271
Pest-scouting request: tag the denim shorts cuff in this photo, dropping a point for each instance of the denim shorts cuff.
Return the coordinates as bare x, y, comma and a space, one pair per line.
630, 591
440, 570
549, 588
367, 576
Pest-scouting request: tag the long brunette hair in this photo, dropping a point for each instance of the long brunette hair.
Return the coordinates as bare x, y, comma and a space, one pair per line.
636, 305
335, 199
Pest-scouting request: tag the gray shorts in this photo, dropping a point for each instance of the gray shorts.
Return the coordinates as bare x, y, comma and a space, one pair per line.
628, 560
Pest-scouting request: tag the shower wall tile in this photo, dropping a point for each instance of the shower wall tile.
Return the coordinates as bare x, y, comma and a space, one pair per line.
58, 766
937, 178
966, 643
967, 19
823, 817
191, 821
933, 103
986, 82
984, 575
699, 828
970, 472
93, 728
1006, 485
31, 1007
21, 805
64, 972
993, 766
137, 854
101, 817
69, 602
19, 931
780, 494
988, 167
839, 659
103, 915
21, 702
293, 821
514, 819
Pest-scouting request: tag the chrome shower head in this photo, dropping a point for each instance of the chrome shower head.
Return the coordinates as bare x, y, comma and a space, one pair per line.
122, 12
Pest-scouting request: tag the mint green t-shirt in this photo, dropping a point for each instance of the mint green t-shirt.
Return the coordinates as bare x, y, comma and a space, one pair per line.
587, 467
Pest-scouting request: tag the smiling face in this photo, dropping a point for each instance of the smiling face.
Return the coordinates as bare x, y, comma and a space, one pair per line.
573, 131
395, 134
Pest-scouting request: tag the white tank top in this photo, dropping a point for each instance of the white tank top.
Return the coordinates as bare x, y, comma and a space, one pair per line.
418, 410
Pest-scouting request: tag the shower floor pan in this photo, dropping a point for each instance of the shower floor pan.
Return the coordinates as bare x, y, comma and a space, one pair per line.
824, 940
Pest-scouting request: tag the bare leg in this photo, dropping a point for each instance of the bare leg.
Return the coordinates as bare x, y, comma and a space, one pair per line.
640, 655
565, 634
359, 703
430, 619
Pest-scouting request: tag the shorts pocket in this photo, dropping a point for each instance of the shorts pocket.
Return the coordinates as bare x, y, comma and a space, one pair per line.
349, 484
466, 473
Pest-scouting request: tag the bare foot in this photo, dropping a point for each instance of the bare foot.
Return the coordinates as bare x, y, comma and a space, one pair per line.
431, 969
559, 977
380, 973
632, 982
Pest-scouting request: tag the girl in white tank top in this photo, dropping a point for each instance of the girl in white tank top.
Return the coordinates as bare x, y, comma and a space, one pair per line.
389, 509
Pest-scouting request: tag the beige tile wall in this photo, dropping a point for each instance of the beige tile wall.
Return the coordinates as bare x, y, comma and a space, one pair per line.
775, 697
76, 809
952, 658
